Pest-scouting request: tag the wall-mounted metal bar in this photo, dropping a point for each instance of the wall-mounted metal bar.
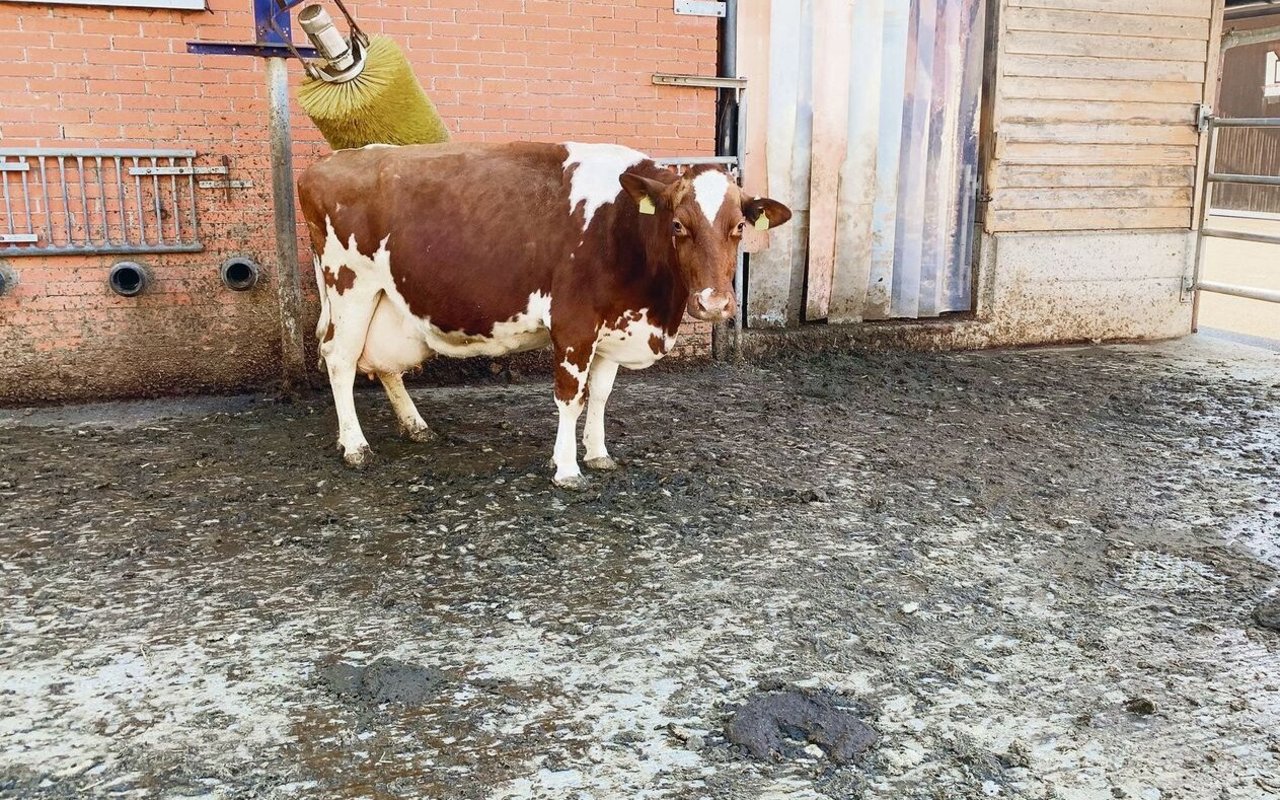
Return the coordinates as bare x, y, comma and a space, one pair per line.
700, 81
1243, 236
176, 170
112, 152
1197, 284
684, 161
1256, 180
100, 212
1246, 122
1250, 292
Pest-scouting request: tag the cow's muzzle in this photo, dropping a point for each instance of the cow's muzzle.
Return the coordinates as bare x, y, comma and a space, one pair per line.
710, 306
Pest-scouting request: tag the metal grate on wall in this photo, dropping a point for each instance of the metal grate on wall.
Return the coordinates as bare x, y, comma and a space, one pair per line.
59, 201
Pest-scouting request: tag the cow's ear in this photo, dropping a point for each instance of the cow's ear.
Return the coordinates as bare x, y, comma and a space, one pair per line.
764, 213
648, 194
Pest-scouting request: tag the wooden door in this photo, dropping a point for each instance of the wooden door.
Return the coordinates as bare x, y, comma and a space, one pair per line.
862, 116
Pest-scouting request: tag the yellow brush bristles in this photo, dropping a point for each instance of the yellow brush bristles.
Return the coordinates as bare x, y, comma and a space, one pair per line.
384, 104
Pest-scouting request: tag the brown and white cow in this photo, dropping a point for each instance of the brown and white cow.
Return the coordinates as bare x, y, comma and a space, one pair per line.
480, 249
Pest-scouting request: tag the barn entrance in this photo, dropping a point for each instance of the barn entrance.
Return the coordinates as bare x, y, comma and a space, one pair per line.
863, 117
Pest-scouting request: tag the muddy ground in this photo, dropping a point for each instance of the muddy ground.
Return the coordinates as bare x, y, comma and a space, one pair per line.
1032, 574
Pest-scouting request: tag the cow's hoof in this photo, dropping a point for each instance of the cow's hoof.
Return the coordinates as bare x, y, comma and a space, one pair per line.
574, 483
359, 458
603, 463
420, 435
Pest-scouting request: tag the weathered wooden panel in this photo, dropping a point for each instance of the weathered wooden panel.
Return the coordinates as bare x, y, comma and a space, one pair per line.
1039, 88
1099, 219
912, 182
1095, 122
1166, 8
1107, 24
753, 62
1103, 68
884, 226
1017, 176
1033, 111
1093, 133
777, 272
858, 175
831, 58
1076, 197
1041, 155
1111, 47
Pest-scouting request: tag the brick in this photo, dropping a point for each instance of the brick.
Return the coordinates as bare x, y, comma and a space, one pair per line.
499, 70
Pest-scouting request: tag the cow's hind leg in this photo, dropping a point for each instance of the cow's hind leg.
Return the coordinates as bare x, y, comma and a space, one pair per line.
600, 384
349, 316
412, 426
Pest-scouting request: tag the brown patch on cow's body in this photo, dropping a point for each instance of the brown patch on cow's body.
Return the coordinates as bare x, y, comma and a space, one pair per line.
345, 279
328, 334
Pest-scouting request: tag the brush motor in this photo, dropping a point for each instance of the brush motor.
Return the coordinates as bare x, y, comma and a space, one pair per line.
343, 57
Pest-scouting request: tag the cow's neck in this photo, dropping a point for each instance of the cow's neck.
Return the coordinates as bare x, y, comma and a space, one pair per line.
654, 276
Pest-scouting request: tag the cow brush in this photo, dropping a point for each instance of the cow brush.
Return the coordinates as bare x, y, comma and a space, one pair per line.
363, 90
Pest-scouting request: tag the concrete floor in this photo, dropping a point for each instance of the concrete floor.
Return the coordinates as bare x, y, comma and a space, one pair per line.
1032, 573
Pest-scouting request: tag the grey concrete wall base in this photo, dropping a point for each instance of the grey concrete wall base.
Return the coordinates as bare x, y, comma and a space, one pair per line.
1034, 288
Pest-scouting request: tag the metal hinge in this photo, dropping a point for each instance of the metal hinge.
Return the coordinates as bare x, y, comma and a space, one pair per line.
1204, 113
700, 8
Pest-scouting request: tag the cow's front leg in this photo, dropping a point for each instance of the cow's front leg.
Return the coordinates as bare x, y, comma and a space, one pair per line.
571, 389
600, 384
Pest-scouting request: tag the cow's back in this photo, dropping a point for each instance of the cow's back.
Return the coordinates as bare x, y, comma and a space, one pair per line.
469, 232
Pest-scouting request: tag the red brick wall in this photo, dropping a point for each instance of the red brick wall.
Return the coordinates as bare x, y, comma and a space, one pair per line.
498, 70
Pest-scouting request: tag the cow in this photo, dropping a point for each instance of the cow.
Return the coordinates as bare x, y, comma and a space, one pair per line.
488, 249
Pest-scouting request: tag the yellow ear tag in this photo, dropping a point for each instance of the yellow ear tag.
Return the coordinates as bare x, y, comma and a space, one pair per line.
762, 222
646, 205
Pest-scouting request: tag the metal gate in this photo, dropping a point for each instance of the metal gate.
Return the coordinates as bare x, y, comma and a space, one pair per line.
865, 122
1211, 177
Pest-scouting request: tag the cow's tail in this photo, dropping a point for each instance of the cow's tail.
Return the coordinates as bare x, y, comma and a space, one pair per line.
322, 325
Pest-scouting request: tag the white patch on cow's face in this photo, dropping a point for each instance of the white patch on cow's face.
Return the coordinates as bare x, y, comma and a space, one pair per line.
595, 181
709, 189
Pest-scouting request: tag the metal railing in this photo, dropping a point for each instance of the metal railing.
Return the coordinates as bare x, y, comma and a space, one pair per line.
1204, 231
98, 200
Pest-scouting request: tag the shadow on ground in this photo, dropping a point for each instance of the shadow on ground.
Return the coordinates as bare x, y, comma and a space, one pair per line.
1032, 574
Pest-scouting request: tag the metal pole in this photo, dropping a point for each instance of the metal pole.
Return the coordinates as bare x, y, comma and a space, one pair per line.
1206, 198
288, 289
726, 339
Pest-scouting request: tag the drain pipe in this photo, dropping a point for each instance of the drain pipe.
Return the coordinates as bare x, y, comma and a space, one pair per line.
727, 67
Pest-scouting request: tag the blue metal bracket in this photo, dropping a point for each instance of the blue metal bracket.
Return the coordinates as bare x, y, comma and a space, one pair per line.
273, 29
260, 50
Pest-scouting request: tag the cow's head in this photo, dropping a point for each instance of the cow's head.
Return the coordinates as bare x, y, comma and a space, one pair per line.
696, 222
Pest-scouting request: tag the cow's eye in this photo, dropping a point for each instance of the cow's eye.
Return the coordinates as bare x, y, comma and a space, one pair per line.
677, 229
742, 226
